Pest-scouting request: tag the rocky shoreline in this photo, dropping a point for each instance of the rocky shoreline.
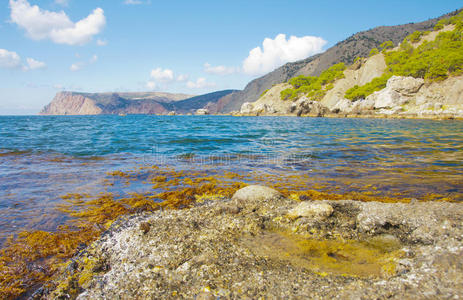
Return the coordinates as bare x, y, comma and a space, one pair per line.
261, 244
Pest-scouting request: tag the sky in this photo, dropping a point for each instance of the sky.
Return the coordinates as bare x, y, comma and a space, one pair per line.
191, 47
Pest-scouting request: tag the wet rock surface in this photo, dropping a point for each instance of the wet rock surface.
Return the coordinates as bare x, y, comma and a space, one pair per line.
251, 247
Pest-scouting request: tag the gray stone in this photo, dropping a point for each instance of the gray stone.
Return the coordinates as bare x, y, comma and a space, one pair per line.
314, 210
256, 193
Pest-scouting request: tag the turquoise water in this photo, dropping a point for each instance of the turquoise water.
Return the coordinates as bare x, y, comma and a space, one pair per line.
44, 157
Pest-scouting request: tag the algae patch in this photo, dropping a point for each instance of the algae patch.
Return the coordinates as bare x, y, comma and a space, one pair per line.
327, 256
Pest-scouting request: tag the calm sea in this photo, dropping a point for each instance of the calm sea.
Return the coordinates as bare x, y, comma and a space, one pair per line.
45, 157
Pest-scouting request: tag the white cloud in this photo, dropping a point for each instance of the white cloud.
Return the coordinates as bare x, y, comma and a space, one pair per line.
42, 24
79, 65
182, 77
101, 42
62, 2
151, 85
220, 70
199, 83
94, 59
9, 59
279, 51
75, 67
35, 64
165, 75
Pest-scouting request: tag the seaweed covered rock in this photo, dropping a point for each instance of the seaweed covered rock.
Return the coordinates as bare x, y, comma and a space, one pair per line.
248, 247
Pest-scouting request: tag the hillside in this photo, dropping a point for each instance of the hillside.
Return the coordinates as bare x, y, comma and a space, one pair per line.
358, 45
72, 103
421, 77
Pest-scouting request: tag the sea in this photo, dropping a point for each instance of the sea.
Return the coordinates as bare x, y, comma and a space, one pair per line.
43, 158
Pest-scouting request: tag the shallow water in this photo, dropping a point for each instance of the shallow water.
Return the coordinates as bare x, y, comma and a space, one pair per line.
45, 157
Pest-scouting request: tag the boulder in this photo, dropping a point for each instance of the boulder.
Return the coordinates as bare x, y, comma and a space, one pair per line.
343, 105
256, 193
313, 210
406, 86
247, 108
202, 111
398, 91
305, 106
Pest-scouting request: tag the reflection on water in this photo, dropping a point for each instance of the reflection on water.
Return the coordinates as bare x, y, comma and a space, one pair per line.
42, 158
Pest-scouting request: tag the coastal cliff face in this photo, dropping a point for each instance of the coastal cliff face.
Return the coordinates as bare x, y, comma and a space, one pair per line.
67, 103
71, 103
402, 96
358, 45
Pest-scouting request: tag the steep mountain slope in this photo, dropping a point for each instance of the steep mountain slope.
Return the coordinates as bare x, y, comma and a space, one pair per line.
202, 101
420, 78
358, 45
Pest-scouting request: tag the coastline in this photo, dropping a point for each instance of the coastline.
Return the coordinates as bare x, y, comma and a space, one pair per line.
261, 244
331, 115
362, 116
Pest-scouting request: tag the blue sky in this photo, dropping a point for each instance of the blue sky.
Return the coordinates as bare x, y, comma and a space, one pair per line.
176, 46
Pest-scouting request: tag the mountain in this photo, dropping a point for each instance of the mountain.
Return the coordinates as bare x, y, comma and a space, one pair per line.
358, 45
421, 77
73, 103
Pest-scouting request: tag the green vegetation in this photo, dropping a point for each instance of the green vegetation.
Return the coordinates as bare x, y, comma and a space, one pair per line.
361, 92
374, 51
432, 61
386, 45
313, 87
415, 37
263, 93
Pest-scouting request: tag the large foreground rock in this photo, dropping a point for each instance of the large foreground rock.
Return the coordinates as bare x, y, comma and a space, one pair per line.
250, 247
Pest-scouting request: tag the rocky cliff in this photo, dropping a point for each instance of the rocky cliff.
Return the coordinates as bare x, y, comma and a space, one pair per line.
401, 96
358, 45
72, 103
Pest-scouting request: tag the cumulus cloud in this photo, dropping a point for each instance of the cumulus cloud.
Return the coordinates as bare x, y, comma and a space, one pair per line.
42, 24
199, 83
220, 70
160, 74
279, 51
35, 64
9, 59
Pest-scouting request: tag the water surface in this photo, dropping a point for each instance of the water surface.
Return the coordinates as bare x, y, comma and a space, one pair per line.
45, 157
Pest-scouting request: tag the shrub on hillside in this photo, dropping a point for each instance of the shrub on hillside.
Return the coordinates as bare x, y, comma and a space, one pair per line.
311, 86
361, 92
